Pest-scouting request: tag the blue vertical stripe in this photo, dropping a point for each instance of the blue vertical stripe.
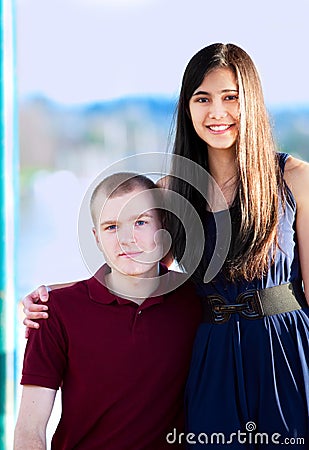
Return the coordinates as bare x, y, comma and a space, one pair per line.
8, 208
2, 251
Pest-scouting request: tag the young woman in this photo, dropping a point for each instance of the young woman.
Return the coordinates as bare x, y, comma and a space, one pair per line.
249, 371
248, 385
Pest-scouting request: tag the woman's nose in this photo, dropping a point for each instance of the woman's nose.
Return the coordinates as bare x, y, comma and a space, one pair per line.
217, 110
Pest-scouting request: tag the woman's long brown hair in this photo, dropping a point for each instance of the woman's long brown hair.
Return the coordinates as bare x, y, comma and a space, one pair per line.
260, 184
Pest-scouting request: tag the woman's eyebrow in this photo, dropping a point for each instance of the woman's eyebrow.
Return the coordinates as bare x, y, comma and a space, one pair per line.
207, 93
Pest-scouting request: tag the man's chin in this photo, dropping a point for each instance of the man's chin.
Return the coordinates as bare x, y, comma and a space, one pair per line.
138, 270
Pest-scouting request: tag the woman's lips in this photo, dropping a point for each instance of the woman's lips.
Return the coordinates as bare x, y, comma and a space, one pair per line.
219, 129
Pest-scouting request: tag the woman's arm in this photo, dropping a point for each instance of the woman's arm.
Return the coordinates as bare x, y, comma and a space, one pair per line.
34, 311
296, 175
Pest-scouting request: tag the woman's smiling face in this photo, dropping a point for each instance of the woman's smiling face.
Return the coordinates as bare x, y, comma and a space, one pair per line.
214, 109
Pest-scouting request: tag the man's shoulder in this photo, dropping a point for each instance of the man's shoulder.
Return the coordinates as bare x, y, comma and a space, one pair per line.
180, 283
77, 289
69, 301
91, 288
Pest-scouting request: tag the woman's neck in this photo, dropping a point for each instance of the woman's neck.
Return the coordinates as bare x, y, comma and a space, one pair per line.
222, 168
222, 165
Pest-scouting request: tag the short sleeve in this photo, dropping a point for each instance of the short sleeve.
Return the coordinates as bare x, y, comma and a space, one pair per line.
45, 357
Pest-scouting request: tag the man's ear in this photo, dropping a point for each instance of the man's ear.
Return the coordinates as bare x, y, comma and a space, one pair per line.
97, 238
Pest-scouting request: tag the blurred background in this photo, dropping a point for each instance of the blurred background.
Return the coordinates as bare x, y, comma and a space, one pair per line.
97, 81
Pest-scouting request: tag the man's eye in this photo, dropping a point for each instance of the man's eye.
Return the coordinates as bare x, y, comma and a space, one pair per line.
111, 227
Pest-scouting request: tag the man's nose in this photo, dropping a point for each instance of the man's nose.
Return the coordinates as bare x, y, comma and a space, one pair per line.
126, 235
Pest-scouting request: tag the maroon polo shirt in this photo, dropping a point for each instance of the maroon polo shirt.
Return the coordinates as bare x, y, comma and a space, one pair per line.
122, 367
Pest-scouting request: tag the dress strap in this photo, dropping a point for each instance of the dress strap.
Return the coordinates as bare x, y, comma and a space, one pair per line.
282, 158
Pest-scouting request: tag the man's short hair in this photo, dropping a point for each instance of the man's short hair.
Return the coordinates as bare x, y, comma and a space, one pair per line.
118, 184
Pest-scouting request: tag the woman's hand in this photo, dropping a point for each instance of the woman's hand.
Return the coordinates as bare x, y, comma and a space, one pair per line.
33, 310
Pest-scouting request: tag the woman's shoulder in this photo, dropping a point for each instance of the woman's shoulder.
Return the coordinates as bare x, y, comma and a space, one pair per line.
296, 175
296, 170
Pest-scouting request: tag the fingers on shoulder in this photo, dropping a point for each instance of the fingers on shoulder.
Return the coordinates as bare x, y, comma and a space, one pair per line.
30, 324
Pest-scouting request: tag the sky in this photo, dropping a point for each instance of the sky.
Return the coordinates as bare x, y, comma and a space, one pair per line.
79, 51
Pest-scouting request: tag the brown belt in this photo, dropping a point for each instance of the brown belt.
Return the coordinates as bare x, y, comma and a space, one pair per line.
251, 304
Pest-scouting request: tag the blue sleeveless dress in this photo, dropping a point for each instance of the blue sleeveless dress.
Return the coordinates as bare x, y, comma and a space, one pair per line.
248, 386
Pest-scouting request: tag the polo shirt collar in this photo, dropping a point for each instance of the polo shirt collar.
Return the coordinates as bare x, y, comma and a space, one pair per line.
99, 293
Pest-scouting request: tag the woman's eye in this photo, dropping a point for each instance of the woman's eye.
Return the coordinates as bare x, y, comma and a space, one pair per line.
231, 97
202, 100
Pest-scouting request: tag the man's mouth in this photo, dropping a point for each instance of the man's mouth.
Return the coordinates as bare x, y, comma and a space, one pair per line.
130, 254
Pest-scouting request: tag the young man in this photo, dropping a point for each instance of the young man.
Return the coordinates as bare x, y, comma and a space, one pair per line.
116, 344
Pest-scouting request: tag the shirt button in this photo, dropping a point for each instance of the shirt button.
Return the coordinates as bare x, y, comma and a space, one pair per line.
139, 312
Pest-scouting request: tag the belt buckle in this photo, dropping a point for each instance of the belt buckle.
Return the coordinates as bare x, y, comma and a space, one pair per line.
216, 302
254, 307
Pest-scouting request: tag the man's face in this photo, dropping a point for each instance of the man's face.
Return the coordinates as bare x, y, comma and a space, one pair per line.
125, 232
